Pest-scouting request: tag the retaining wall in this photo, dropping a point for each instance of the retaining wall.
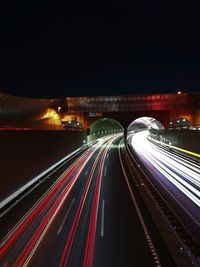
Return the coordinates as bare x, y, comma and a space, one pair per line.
25, 154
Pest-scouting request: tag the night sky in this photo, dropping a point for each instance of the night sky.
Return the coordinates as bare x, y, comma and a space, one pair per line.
48, 49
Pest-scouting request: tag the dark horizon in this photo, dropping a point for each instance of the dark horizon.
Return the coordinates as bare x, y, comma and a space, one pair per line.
50, 51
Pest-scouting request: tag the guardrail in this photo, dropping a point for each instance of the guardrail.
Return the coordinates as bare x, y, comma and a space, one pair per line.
188, 243
13, 199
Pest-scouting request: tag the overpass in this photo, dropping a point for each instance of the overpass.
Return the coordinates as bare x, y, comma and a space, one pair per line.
54, 114
110, 171
125, 109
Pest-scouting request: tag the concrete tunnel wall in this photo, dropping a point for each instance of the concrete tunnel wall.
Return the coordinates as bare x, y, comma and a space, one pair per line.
186, 139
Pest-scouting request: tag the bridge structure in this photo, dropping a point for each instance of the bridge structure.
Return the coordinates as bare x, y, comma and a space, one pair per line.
81, 112
125, 109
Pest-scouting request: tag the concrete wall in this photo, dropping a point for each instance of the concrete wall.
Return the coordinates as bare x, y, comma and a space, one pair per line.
25, 154
186, 139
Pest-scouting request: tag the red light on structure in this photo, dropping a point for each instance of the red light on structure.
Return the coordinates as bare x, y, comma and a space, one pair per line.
179, 92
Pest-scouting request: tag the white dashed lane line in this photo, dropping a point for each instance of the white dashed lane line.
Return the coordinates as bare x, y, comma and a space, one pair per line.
102, 217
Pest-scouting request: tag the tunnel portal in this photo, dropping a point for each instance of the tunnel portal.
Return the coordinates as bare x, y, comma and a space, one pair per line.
104, 126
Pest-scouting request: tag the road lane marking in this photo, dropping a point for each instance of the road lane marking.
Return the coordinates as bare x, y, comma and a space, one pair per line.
71, 236
90, 242
52, 213
25, 257
105, 170
177, 148
65, 217
107, 155
87, 170
142, 222
30, 216
102, 217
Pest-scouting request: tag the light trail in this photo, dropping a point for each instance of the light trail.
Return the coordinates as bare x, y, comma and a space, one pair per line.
52, 202
65, 217
89, 249
71, 236
183, 174
24, 239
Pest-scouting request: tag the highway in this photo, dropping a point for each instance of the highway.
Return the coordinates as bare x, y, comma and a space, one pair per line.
175, 177
90, 215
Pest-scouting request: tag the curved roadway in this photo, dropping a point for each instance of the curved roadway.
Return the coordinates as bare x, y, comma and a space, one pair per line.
90, 215
176, 178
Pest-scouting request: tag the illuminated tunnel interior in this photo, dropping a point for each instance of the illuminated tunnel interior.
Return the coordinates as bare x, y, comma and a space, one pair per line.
104, 126
143, 124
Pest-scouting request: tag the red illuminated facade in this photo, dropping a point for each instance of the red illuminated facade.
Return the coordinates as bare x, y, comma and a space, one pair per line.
50, 113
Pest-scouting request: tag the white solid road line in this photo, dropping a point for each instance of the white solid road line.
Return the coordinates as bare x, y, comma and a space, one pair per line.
65, 218
102, 217
143, 224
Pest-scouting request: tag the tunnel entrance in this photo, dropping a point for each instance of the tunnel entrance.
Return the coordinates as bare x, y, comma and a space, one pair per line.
144, 124
103, 127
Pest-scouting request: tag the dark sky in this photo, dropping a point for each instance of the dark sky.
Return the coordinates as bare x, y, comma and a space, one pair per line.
95, 48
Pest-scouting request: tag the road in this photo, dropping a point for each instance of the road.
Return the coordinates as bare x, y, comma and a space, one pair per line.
91, 215
176, 178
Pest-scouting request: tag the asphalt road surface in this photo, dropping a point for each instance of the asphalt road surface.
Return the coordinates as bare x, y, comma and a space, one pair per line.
90, 215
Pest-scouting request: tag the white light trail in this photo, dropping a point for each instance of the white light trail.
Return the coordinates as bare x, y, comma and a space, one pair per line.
183, 174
